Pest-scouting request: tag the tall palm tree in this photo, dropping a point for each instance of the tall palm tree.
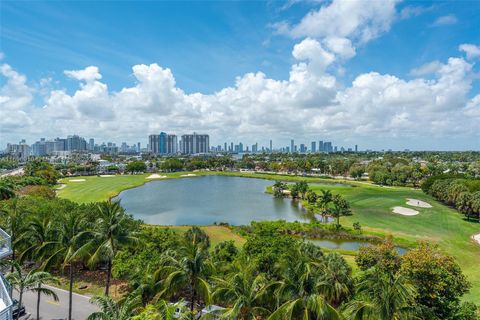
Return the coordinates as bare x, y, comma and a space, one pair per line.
111, 310
324, 200
341, 207
242, 291
65, 248
189, 270
14, 221
299, 291
382, 296
112, 231
31, 281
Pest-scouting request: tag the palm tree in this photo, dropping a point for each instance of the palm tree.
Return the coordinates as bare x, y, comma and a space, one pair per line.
242, 291
65, 249
31, 281
190, 269
382, 296
324, 201
336, 282
37, 235
111, 310
299, 290
112, 231
341, 207
14, 218
7, 191
163, 310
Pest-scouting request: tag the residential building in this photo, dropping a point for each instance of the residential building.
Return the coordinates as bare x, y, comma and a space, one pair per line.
6, 302
195, 143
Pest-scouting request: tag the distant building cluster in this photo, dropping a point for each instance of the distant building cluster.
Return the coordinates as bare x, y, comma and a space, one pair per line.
159, 144
168, 144
322, 147
61, 147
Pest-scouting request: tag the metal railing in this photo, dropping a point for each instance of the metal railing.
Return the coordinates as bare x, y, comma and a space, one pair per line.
5, 244
5, 290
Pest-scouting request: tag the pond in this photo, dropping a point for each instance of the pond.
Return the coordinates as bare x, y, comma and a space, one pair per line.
204, 200
352, 245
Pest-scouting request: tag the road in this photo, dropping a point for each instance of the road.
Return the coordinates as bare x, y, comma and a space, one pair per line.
49, 309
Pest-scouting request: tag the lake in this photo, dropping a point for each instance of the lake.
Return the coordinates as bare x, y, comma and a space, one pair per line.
204, 200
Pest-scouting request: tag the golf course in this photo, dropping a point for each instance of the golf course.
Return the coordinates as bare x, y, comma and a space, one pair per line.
371, 207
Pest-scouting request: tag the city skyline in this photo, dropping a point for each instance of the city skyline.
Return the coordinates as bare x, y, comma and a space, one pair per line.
391, 75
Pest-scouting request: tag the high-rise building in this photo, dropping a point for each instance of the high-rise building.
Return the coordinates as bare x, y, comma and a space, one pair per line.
153, 143
195, 143
356, 148
39, 148
303, 148
225, 147
91, 144
292, 145
313, 149
321, 147
75, 143
271, 146
172, 144
20, 151
138, 147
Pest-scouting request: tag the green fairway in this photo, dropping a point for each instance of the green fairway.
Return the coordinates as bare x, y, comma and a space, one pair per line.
98, 188
371, 206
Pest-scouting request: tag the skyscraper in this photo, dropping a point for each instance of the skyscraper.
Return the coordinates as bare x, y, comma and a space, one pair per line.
271, 146
153, 143
292, 146
314, 147
356, 148
321, 147
195, 143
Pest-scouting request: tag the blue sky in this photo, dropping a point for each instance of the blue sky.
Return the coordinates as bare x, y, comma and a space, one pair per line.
207, 45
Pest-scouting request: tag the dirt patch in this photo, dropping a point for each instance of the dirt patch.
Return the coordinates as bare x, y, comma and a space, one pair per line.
405, 211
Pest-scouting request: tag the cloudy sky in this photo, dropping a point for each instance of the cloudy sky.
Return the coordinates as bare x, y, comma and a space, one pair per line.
380, 74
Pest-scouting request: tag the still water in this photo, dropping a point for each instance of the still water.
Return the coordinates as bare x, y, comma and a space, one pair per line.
207, 199
352, 245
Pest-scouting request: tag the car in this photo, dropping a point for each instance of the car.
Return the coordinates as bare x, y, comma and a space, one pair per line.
16, 310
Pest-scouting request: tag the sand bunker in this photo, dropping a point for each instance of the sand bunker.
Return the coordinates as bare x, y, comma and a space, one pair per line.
476, 238
188, 175
405, 211
155, 176
107, 175
76, 180
418, 203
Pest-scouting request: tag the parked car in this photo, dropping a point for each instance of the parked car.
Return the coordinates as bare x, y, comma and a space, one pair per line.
20, 310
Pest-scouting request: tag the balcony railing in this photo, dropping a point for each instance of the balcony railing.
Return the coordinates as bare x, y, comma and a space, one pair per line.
5, 244
6, 303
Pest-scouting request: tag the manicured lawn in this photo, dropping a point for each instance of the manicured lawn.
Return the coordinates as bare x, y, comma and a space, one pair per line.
371, 206
216, 234
96, 188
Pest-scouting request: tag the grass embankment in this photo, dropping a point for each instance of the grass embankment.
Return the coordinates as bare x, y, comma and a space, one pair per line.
216, 234
371, 206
